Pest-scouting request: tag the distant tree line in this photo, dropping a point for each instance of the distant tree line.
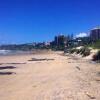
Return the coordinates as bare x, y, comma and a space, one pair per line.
24, 47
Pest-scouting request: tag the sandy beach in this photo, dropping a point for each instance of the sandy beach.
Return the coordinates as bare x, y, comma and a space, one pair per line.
48, 76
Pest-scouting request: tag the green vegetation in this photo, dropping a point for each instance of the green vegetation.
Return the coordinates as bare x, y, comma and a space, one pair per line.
96, 57
83, 51
86, 52
95, 45
72, 51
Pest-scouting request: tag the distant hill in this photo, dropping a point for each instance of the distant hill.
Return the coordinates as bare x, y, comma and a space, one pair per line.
24, 47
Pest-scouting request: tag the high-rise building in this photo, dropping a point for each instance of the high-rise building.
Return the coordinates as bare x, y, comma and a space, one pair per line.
95, 34
60, 41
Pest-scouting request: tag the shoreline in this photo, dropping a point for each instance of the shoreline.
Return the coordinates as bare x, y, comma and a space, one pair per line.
20, 52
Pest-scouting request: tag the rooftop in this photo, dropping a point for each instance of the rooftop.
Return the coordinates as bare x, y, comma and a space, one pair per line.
98, 27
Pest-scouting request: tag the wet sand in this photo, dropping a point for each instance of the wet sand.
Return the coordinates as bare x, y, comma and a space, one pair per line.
51, 76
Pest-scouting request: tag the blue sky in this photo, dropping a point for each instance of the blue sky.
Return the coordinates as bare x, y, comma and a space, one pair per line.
24, 21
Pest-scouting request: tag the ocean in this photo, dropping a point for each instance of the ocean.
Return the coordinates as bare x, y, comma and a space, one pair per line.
13, 52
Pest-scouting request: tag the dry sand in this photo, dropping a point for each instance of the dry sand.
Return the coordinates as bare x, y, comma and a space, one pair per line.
65, 78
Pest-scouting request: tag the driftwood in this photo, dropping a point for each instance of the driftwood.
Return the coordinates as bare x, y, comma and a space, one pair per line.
12, 63
78, 68
7, 67
35, 59
6, 73
90, 96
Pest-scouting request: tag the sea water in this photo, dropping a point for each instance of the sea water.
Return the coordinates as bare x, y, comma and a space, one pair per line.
13, 52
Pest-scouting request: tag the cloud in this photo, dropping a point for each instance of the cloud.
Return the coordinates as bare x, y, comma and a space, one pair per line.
81, 35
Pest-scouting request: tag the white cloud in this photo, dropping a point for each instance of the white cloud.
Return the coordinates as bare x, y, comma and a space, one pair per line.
81, 35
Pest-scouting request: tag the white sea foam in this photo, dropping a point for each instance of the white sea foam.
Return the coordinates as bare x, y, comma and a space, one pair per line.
13, 52
4, 52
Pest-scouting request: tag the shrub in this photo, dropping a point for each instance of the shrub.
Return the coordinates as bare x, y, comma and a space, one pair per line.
82, 50
96, 57
78, 51
86, 53
72, 51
